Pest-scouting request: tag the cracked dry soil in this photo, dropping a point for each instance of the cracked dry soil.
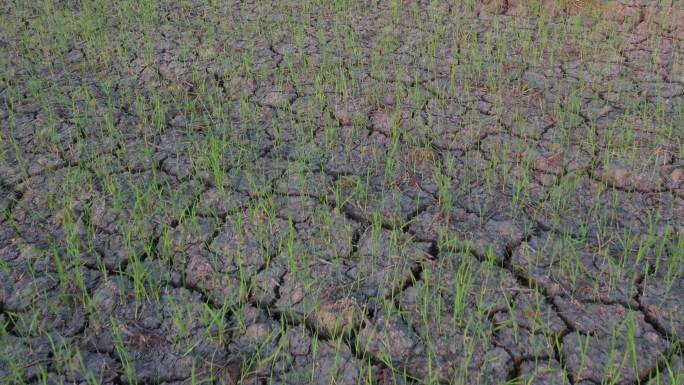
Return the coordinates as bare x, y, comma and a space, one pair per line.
350, 192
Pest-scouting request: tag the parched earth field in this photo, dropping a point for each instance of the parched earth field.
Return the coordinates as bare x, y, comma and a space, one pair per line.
342, 192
